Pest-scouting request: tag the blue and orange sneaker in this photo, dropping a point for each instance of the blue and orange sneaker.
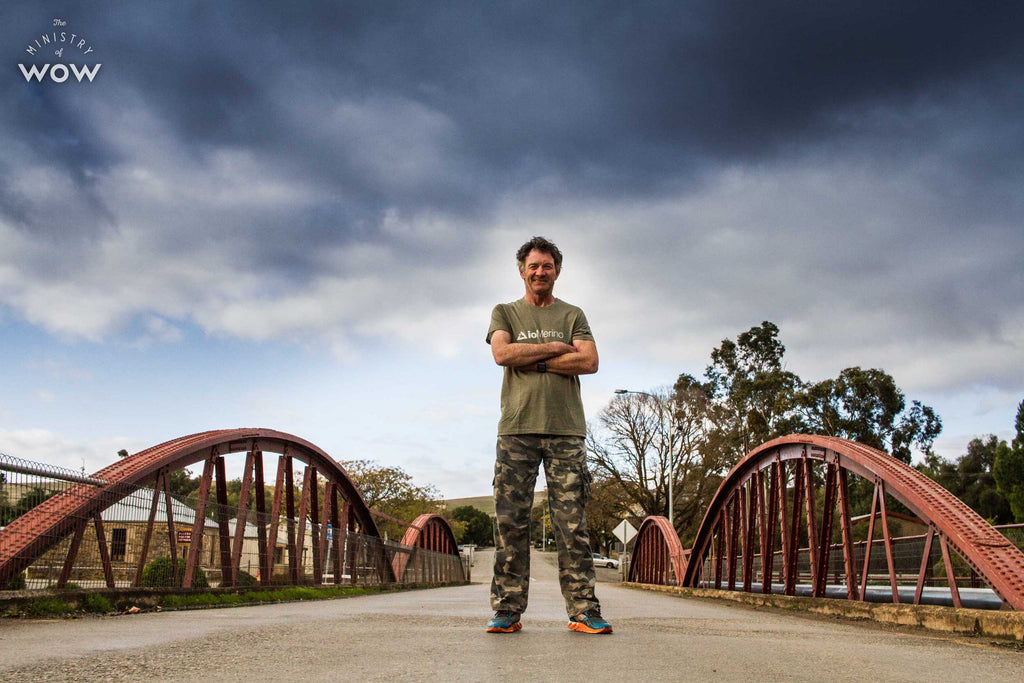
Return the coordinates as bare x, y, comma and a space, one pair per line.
590, 621
504, 621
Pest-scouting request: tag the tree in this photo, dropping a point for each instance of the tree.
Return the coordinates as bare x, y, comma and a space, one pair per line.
391, 490
756, 393
971, 478
641, 436
1008, 469
866, 406
479, 528
704, 428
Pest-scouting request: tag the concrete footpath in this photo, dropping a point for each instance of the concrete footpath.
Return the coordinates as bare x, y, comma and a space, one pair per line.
439, 635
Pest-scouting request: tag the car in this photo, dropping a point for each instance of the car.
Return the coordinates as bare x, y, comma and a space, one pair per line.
602, 561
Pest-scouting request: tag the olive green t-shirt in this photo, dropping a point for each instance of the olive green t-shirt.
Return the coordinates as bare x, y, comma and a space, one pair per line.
540, 402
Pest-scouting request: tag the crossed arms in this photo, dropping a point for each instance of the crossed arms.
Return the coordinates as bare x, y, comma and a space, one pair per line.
578, 358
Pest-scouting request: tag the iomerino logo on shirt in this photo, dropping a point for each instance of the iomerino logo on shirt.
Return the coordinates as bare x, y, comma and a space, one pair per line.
55, 42
540, 334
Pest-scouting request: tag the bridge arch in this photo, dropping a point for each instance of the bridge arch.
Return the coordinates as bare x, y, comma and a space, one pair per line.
431, 533
753, 503
658, 555
26, 538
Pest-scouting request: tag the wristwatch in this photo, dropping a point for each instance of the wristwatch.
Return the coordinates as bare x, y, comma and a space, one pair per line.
542, 366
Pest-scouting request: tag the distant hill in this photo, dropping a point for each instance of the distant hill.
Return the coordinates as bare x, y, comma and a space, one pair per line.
486, 503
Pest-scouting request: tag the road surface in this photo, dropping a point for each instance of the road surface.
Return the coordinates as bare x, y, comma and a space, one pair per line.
439, 635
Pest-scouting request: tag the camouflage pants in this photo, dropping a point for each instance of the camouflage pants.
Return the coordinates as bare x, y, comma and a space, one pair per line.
515, 475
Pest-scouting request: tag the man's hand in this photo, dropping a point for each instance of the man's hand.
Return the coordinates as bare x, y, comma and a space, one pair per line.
517, 355
578, 358
581, 361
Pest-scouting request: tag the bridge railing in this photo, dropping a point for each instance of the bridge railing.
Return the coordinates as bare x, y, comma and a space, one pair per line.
130, 542
907, 557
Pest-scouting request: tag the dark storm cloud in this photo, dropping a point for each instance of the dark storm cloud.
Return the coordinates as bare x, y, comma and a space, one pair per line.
340, 117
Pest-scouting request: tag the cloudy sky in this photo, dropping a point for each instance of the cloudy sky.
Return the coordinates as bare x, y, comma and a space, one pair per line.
299, 216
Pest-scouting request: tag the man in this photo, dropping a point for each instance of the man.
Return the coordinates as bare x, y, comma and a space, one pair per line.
544, 345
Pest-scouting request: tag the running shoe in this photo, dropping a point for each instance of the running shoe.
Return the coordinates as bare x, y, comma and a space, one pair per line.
590, 621
504, 621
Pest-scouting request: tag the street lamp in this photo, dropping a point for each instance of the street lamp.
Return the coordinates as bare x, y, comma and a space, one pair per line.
671, 458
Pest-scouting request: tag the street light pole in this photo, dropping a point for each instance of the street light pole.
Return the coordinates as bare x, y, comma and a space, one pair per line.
671, 459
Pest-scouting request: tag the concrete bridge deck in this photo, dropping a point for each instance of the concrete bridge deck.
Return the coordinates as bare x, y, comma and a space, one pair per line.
438, 635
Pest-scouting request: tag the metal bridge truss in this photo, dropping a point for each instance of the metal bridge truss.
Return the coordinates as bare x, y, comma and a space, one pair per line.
318, 515
772, 525
428, 534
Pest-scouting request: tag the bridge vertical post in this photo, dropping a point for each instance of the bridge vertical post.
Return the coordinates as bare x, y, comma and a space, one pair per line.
784, 529
890, 560
289, 499
275, 516
763, 511
228, 577
812, 523
244, 496
172, 533
793, 549
869, 542
747, 512
147, 536
199, 526
768, 562
720, 554
101, 541
734, 527
847, 533
926, 558
950, 572
69, 560
261, 519
308, 474
314, 518
825, 539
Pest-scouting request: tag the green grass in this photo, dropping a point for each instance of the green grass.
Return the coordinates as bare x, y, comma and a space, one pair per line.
48, 607
97, 603
258, 596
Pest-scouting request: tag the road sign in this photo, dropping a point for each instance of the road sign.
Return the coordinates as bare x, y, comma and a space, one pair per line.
624, 532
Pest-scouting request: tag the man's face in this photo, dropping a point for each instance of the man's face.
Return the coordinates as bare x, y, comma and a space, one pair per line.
538, 272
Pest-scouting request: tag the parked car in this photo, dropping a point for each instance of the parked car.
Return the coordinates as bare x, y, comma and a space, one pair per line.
602, 561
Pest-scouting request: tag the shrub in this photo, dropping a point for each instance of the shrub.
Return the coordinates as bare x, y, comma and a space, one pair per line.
97, 603
245, 579
160, 574
16, 583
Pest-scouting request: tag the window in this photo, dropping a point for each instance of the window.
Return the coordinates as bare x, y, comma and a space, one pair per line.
118, 544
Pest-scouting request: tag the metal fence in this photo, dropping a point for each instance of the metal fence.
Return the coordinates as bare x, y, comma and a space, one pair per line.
907, 551
131, 541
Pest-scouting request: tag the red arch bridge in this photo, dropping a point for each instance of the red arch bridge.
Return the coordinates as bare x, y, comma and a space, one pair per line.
315, 528
780, 522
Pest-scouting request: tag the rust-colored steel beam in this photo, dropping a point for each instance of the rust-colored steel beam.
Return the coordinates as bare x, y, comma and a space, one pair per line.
846, 526
228, 577
768, 559
825, 539
29, 536
101, 541
262, 541
150, 525
868, 543
69, 561
926, 559
793, 549
960, 529
199, 526
244, 494
887, 538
